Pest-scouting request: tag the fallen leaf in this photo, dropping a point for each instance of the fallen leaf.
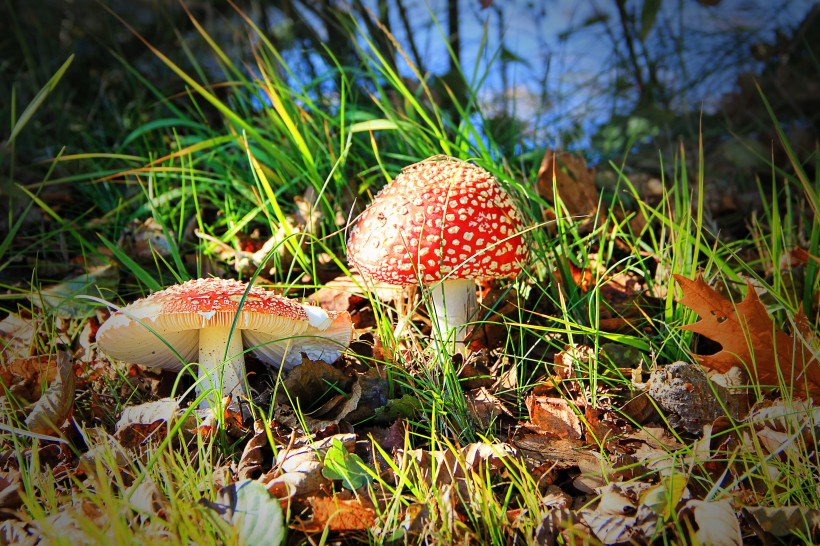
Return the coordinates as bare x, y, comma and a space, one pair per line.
310, 382
145, 241
498, 305
574, 183
618, 519
323, 394
562, 454
251, 510
749, 338
444, 467
104, 450
19, 533
338, 514
18, 336
250, 463
663, 497
53, 407
716, 522
474, 373
138, 424
76, 524
10, 488
339, 464
782, 521
27, 378
301, 468
306, 480
485, 407
147, 499
554, 417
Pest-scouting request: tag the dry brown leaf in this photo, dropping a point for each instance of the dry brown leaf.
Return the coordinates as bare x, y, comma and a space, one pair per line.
144, 241
301, 467
19, 533
554, 417
138, 424
147, 499
97, 457
77, 523
574, 182
18, 335
444, 467
485, 407
10, 488
307, 480
783, 521
27, 378
53, 408
749, 338
250, 464
337, 514
715, 522
619, 518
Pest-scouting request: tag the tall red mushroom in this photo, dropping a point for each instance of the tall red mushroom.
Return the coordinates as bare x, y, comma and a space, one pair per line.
210, 319
442, 223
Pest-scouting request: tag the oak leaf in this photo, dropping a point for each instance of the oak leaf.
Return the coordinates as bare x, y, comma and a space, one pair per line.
749, 338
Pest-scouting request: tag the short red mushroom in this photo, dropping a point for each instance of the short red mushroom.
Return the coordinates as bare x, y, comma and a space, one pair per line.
442, 223
211, 319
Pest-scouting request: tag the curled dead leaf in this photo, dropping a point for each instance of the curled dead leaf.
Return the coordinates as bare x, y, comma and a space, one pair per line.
144, 422
554, 417
568, 177
338, 514
715, 522
250, 463
54, 406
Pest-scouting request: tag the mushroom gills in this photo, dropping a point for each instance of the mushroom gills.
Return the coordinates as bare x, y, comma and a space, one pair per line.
318, 343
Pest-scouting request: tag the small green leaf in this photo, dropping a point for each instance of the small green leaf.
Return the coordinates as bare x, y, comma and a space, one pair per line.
348, 467
406, 407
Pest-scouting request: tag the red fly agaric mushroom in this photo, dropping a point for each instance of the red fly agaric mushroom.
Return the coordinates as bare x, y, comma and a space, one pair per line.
442, 223
212, 318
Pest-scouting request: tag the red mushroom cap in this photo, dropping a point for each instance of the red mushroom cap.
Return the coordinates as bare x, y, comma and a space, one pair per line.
439, 218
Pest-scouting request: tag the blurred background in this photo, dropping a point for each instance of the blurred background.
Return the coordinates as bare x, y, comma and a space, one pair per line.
604, 75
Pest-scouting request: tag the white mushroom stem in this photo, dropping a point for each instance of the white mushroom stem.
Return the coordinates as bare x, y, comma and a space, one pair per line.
454, 304
222, 371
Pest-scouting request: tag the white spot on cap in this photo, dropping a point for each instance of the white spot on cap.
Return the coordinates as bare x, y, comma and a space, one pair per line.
207, 315
317, 317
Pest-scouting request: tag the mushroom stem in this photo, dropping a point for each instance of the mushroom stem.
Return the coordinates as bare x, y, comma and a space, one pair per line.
454, 304
220, 370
